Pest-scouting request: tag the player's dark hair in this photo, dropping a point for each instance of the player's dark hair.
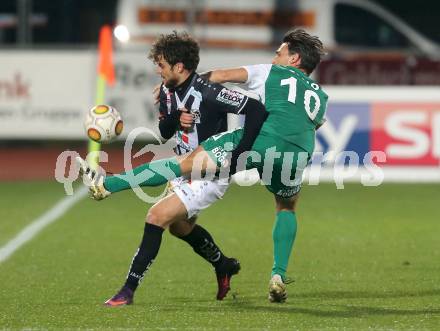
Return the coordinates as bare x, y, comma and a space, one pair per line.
309, 48
176, 47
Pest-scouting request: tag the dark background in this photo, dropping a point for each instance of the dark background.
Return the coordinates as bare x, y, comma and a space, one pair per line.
78, 21
69, 21
421, 15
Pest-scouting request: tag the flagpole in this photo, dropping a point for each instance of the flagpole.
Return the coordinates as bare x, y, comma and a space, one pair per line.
105, 76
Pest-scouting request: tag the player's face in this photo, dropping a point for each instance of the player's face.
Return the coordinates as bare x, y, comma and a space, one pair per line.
282, 56
166, 72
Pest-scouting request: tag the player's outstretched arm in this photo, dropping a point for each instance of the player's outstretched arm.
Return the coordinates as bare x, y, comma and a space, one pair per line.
256, 114
232, 75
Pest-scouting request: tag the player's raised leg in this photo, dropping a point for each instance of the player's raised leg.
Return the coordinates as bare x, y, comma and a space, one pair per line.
153, 173
283, 234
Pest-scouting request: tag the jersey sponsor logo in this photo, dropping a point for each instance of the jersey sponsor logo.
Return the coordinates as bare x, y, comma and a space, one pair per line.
289, 192
196, 115
182, 148
230, 97
183, 143
220, 154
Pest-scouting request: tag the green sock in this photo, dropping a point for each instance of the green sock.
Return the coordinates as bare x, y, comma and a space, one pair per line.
283, 234
148, 174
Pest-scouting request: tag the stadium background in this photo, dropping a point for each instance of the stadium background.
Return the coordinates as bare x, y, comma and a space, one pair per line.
382, 270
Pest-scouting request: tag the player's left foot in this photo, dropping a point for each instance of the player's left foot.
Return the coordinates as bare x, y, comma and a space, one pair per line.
224, 274
277, 288
122, 298
93, 179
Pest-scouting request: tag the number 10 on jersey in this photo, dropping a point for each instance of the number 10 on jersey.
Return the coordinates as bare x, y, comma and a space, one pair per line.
308, 95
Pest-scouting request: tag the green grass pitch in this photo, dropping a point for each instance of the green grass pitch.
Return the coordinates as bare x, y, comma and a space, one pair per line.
365, 258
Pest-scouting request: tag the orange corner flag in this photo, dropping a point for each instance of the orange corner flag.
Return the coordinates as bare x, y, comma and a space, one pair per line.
105, 64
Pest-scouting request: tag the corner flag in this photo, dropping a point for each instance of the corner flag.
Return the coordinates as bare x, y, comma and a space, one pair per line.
106, 76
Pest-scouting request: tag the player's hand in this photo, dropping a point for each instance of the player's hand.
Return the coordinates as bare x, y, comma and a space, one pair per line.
156, 93
186, 119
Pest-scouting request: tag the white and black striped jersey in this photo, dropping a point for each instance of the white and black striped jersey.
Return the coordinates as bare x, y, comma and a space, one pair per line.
208, 102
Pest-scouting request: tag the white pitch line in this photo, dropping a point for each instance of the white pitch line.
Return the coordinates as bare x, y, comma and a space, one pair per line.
40, 223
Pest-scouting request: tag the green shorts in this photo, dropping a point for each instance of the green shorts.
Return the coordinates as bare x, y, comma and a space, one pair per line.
279, 162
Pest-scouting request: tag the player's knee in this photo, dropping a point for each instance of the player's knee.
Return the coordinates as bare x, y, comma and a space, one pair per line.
156, 216
285, 208
174, 230
177, 230
286, 204
182, 228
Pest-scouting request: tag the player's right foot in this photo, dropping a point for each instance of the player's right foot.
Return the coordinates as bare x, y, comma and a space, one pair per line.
122, 298
224, 273
93, 179
277, 289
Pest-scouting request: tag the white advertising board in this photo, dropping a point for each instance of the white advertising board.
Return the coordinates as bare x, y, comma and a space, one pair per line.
132, 92
43, 94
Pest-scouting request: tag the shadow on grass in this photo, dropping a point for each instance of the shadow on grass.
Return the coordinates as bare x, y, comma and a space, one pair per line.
340, 311
366, 294
336, 311
323, 309
333, 295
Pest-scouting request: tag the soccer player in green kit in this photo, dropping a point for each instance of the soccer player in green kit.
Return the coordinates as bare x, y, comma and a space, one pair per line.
296, 106
285, 142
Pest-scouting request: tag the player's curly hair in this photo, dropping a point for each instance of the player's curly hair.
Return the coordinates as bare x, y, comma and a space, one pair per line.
309, 48
176, 47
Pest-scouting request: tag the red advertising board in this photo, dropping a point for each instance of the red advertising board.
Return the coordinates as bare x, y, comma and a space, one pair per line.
409, 133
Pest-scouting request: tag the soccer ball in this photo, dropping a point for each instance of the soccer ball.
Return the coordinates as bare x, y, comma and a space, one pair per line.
103, 124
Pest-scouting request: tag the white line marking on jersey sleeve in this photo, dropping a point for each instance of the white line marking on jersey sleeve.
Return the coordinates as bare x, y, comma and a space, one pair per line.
40, 223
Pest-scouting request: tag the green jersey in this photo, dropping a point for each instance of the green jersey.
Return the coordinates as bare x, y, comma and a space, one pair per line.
296, 104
